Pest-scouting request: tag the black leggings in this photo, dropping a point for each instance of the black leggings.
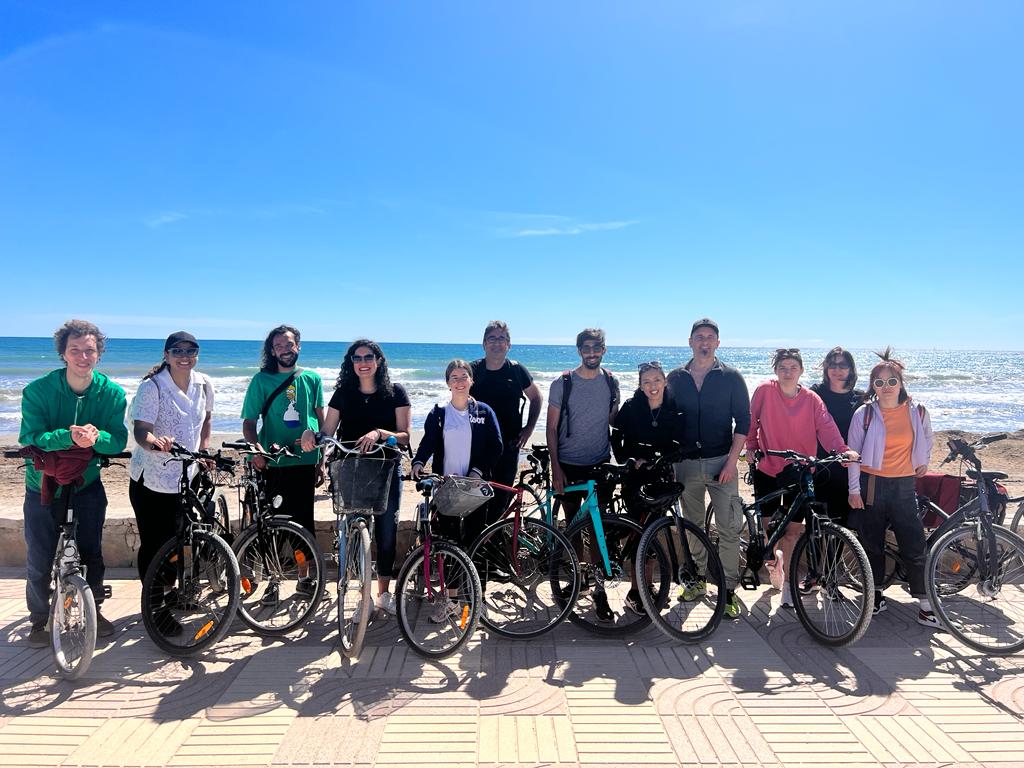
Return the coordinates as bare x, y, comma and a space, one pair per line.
156, 515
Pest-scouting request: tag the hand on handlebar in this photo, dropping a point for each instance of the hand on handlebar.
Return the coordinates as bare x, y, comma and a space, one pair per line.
417, 470
850, 456
308, 441
369, 440
259, 461
162, 443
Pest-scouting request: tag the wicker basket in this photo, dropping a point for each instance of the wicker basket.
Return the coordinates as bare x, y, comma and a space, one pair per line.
361, 483
458, 496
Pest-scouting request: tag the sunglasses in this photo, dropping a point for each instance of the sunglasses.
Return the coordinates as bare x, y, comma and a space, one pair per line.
591, 348
184, 351
652, 365
369, 358
840, 364
892, 381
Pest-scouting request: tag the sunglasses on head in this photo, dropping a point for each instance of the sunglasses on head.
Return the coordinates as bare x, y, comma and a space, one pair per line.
892, 381
184, 351
652, 365
368, 358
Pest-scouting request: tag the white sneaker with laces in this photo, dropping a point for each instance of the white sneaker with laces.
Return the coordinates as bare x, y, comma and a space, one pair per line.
358, 614
929, 619
386, 603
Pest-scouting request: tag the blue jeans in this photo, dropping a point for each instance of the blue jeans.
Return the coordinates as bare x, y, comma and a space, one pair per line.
41, 532
385, 528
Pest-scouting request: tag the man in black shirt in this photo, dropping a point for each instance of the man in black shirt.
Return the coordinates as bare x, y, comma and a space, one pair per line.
713, 398
504, 385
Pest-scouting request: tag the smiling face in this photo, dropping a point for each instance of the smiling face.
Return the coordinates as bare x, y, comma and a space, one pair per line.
286, 349
838, 371
183, 356
891, 381
459, 381
364, 362
652, 382
496, 345
81, 355
591, 354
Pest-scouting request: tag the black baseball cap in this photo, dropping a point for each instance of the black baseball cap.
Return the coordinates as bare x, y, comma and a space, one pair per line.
704, 322
179, 336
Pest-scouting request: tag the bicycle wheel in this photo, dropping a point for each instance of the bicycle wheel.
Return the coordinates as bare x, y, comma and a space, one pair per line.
671, 568
827, 578
532, 504
437, 622
281, 573
602, 603
984, 610
72, 626
354, 583
190, 593
530, 577
1017, 524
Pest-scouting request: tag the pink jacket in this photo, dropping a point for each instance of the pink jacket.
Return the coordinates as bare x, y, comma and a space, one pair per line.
779, 423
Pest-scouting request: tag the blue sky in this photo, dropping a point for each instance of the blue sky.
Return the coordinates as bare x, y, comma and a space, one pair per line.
806, 173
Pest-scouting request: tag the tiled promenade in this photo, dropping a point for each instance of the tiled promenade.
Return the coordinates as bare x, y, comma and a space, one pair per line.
760, 693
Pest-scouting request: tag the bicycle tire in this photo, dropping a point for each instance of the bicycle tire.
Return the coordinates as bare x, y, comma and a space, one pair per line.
223, 518
416, 601
1017, 524
622, 537
680, 620
274, 599
530, 588
72, 626
354, 583
984, 614
190, 594
828, 586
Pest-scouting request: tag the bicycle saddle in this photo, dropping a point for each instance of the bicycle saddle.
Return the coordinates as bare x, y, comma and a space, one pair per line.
973, 474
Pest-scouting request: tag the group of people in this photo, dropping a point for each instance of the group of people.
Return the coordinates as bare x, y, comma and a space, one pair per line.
699, 413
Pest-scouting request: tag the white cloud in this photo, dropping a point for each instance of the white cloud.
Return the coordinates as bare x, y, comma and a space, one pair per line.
165, 218
548, 225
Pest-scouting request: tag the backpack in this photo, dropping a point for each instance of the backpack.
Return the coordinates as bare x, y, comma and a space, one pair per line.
613, 387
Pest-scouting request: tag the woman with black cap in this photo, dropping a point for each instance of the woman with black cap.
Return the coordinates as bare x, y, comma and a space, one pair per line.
174, 404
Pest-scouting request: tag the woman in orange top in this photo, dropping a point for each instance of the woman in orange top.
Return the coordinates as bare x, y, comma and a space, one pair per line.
894, 438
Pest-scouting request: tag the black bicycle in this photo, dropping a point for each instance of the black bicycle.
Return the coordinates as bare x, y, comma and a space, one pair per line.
281, 569
975, 570
190, 591
830, 577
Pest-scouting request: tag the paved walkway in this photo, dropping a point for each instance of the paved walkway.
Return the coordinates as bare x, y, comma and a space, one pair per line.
760, 693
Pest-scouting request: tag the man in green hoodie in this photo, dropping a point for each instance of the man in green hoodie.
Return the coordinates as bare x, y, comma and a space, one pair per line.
71, 406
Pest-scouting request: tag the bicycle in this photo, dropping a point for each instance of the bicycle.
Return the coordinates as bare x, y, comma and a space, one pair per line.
72, 621
975, 571
438, 591
830, 577
678, 546
190, 593
274, 553
359, 489
529, 572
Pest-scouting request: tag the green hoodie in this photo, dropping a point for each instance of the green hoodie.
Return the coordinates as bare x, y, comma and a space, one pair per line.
49, 407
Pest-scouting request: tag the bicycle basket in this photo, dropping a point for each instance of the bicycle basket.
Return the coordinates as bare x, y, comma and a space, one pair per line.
458, 496
362, 482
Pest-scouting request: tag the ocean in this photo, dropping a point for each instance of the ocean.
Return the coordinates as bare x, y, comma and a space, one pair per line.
976, 391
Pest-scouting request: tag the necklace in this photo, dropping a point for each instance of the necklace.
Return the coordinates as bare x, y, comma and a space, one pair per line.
654, 415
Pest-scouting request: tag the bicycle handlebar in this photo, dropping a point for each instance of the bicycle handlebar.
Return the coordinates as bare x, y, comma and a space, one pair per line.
275, 452
350, 447
967, 451
810, 461
21, 453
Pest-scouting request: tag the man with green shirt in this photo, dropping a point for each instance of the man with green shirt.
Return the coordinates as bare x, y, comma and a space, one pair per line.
287, 400
73, 406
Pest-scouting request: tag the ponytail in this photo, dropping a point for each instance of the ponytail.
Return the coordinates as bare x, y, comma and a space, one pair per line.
155, 370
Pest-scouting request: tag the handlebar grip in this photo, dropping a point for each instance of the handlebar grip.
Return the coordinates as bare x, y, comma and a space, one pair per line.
121, 455
783, 454
13, 454
993, 438
236, 445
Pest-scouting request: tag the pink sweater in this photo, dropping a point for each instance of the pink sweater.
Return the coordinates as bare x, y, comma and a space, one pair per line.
798, 424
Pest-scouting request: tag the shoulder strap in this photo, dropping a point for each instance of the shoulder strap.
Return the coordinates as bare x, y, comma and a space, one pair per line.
613, 386
280, 388
563, 412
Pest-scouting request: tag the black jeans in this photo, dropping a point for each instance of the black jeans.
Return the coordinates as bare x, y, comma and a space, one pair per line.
296, 486
891, 504
156, 515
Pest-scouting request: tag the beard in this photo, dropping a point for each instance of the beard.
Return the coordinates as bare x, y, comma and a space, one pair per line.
287, 360
592, 365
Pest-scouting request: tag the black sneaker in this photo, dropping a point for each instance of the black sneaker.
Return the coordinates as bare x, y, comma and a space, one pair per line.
881, 606
270, 597
103, 626
305, 587
166, 624
601, 607
39, 637
633, 602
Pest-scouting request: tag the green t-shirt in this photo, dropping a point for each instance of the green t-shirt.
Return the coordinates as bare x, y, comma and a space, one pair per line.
291, 413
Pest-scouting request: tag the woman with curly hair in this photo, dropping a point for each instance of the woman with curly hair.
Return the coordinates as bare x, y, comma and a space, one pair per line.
894, 437
367, 408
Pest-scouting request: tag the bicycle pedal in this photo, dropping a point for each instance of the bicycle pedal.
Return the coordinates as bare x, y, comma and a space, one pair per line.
107, 592
750, 582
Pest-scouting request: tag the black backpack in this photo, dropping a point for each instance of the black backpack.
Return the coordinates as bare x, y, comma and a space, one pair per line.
563, 412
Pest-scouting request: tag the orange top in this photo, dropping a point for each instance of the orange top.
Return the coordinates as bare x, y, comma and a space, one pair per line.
899, 441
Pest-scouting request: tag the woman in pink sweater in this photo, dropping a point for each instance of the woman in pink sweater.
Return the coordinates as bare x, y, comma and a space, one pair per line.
787, 416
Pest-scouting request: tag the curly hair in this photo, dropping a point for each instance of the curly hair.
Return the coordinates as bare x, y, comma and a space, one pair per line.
268, 361
348, 380
78, 328
887, 361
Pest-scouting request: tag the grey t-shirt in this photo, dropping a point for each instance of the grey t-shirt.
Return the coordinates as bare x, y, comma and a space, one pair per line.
590, 403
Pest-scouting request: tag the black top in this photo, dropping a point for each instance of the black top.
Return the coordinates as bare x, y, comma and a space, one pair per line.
503, 391
363, 413
640, 433
720, 409
840, 406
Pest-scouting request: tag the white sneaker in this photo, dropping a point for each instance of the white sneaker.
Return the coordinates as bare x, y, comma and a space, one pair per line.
443, 611
358, 614
386, 603
787, 597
